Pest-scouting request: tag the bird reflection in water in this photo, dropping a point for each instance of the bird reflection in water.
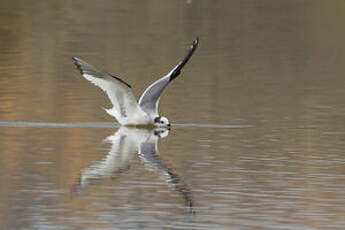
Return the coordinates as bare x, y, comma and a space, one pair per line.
125, 144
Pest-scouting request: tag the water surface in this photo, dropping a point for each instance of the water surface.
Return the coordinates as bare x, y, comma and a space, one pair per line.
258, 139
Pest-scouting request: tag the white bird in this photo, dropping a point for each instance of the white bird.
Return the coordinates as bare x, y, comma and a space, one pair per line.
125, 144
126, 109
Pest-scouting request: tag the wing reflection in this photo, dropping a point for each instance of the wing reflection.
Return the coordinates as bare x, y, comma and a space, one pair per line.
125, 143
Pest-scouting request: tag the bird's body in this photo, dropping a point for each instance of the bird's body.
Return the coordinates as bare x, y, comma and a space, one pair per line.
126, 109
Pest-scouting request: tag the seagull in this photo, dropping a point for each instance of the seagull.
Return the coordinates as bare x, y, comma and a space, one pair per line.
126, 142
126, 110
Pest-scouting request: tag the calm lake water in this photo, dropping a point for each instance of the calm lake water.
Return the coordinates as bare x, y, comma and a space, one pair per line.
259, 114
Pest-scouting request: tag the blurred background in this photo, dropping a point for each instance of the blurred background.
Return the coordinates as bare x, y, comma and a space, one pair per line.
273, 67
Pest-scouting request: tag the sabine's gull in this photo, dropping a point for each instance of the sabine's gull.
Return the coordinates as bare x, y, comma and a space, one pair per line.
126, 109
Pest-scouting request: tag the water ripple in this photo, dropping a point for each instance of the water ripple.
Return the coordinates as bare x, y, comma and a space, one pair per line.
107, 125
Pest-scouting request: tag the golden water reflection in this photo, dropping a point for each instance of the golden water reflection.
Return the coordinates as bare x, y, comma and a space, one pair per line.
272, 68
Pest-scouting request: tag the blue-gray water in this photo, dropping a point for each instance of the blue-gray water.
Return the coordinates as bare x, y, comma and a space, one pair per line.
258, 139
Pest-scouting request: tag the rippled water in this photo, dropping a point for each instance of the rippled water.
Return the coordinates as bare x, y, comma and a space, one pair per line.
258, 139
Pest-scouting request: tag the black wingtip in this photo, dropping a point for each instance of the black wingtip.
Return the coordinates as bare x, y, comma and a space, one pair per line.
196, 41
76, 60
77, 64
194, 45
185, 60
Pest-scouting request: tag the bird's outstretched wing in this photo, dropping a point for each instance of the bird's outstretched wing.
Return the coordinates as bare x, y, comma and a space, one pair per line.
149, 154
124, 145
150, 98
126, 109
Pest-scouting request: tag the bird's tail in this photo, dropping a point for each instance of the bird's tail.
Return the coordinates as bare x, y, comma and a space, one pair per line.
111, 112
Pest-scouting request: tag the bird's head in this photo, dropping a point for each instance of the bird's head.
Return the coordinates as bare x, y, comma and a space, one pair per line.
161, 122
161, 132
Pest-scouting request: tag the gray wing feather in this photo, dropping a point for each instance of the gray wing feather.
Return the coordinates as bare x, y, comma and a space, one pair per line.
87, 69
126, 108
150, 98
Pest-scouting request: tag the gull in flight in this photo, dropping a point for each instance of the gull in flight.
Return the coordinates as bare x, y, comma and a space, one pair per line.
126, 109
